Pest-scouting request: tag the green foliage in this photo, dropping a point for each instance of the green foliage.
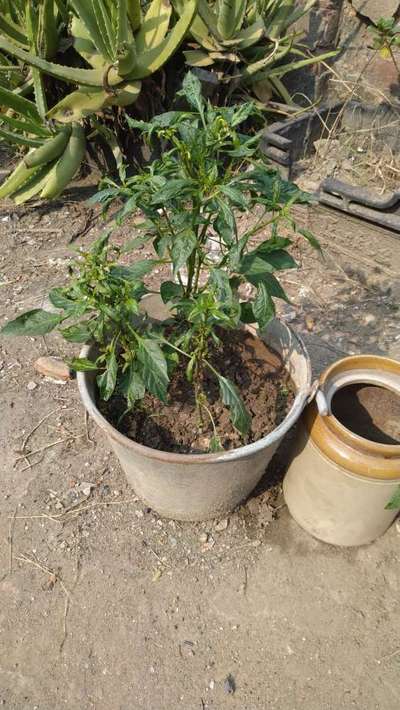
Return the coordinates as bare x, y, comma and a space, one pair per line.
208, 173
101, 304
394, 503
248, 42
386, 38
114, 47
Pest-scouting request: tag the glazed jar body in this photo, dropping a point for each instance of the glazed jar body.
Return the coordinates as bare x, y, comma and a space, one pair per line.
338, 485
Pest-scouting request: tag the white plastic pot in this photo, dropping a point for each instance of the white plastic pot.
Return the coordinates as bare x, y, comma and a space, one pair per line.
339, 483
204, 486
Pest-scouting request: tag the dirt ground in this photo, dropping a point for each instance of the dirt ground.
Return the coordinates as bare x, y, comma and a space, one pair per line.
106, 606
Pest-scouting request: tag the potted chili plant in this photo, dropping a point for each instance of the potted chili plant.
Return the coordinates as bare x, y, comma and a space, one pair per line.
162, 387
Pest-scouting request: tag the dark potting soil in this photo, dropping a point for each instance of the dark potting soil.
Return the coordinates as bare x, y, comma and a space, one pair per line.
369, 411
257, 372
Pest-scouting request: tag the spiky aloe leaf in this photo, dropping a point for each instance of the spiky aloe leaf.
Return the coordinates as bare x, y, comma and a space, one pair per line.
154, 26
10, 29
18, 139
153, 59
230, 17
19, 104
84, 45
198, 58
87, 101
285, 68
85, 77
94, 17
135, 14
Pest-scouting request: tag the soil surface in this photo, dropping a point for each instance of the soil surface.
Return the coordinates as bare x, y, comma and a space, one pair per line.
258, 374
369, 411
106, 606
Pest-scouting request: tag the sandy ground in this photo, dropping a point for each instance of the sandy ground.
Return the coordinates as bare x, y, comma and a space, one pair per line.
105, 606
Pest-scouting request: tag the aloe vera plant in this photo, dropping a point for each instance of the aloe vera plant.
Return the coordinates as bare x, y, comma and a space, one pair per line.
119, 45
189, 198
246, 42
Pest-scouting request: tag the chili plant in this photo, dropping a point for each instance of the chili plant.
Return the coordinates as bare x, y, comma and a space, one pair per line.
209, 172
101, 304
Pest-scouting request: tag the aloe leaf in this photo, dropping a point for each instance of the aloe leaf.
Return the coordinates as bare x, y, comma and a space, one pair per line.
25, 126
154, 26
10, 29
286, 68
17, 139
134, 13
18, 103
86, 77
92, 17
197, 58
153, 59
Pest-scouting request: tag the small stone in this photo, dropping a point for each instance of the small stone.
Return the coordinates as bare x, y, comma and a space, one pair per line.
211, 684
139, 513
221, 525
53, 367
32, 385
172, 541
86, 488
203, 537
229, 685
59, 505
310, 323
369, 318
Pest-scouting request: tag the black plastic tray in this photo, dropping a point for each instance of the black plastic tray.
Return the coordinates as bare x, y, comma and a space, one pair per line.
286, 142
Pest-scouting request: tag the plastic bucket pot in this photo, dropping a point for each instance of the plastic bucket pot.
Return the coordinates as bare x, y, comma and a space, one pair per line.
340, 482
204, 486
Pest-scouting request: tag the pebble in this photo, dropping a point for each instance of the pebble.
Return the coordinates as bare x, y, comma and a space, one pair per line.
32, 385
229, 685
221, 525
53, 367
203, 537
85, 488
139, 513
211, 684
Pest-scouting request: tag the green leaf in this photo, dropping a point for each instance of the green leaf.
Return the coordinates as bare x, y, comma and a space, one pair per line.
256, 263
78, 333
394, 502
191, 90
272, 285
182, 248
219, 279
36, 322
230, 396
237, 197
58, 299
170, 290
154, 368
263, 306
108, 379
171, 190
83, 364
133, 244
132, 385
311, 238
246, 312
133, 272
